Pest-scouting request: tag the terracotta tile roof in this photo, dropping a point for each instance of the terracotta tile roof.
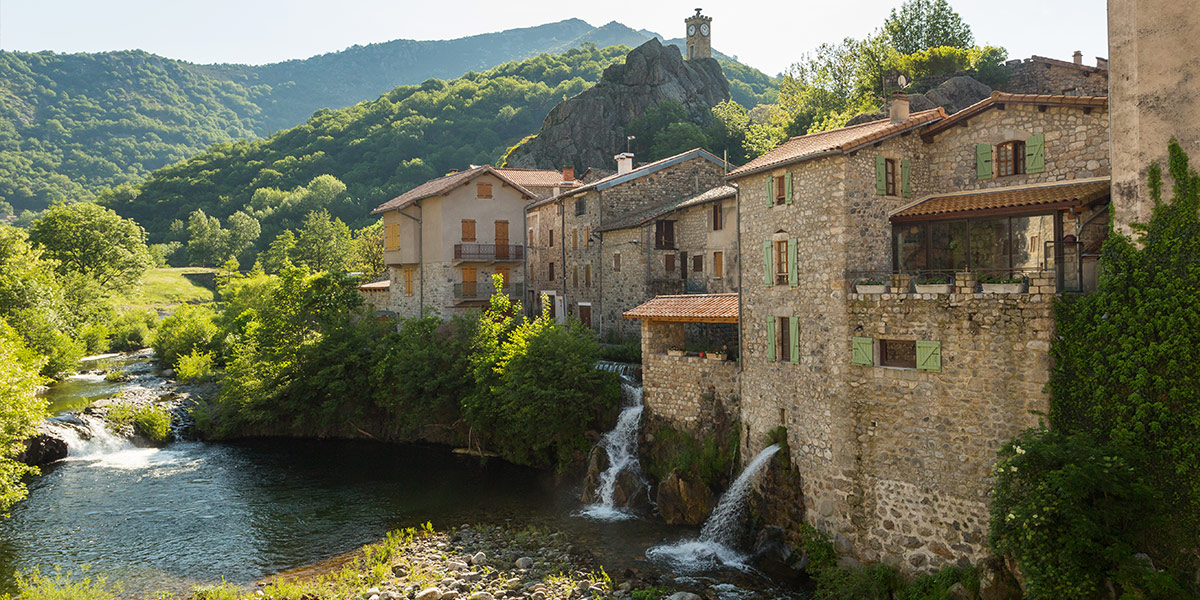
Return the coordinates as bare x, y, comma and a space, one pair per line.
688, 308
999, 98
642, 171
535, 177
1027, 198
642, 217
375, 286
837, 140
441, 185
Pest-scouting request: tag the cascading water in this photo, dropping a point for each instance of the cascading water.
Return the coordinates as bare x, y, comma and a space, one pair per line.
715, 547
621, 446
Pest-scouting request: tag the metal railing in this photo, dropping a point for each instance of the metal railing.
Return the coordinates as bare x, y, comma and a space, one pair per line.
939, 276
479, 290
488, 252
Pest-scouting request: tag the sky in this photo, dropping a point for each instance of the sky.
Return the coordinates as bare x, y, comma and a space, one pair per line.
766, 35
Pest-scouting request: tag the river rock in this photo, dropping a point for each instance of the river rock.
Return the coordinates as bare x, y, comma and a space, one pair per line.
399, 571
450, 595
481, 596
429, 594
684, 501
479, 559
597, 464
524, 563
630, 491
684, 596
43, 449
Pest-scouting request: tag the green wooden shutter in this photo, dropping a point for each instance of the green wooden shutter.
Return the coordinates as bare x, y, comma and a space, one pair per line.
983, 161
929, 355
905, 169
793, 274
771, 338
787, 187
770, 191
768, 272
880, 175
1035, 154
862, 351
794, 338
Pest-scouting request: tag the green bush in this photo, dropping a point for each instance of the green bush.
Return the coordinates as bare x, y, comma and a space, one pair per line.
195, 367
625, 352
48, 339
21, 409
96, 337
190, 328
64, 586
116, 376
133, 330
152, 422
425, 370
650, 593
707, 459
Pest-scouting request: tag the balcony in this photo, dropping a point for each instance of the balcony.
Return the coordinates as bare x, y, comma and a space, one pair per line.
488, 252
480, 290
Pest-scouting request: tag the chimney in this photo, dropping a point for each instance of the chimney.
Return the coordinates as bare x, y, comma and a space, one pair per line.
568, 173
624, 162
1078, 57
898, 107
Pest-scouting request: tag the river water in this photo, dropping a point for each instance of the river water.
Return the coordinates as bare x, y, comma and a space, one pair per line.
166, 519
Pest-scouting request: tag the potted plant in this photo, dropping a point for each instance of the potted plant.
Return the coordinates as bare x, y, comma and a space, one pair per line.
933, 284
716, 355
870, 286
1002, 284
676, 350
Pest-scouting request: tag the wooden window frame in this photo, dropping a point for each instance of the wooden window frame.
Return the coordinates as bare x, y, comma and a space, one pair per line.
575, 276
483, 190
889, 177
669, 263
780, 190
587, 276
899, 362
718, 264
587, 236
574, 239
1010, 158
783, 350
391, 237
718, 224
781, 262
698, 263
474, 232
616, 262
551, 233
663, 241
408, 282
550, 271
581, 206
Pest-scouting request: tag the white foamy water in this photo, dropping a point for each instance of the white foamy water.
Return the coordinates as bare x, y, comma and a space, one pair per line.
715, 547
621, 444
89, 441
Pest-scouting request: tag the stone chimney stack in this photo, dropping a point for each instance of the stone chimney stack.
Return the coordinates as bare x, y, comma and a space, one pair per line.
624, 162
1078, 57
1101, 62
898, 107
568, 173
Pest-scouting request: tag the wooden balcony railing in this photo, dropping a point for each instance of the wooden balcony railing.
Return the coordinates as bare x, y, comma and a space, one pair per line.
488, 252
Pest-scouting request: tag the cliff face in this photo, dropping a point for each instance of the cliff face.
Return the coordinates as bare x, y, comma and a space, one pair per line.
587, 130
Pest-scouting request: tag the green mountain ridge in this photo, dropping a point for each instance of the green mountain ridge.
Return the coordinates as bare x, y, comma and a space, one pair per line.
74, 124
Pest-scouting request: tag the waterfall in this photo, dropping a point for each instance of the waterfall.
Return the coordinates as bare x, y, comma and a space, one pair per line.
715, 546
89, 440
621, 446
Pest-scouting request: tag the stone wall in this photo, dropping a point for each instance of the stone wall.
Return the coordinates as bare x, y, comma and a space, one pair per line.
440, 279
627, 287
1048, 76
688, 391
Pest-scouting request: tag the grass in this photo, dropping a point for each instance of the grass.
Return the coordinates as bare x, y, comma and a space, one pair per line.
169, 287
153, 422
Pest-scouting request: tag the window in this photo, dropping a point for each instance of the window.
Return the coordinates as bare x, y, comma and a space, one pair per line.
669, 262
889, 176
717, 223
587, 275
408, 282
580, 206
574, 239
483, 190
784, 351
718, 264
392, 237
575, 275
530, 242
664, 235
468, 230
587, 236
698, 263
781, 262
551, 240
1010, 158
504, 273
469, 287
550, 272
780, 190
617, 262
898, 353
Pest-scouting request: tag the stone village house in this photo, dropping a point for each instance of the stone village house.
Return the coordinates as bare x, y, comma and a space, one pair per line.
585, 268
444, 239
895, 401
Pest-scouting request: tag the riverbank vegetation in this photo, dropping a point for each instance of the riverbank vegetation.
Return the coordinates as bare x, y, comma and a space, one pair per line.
1108, 498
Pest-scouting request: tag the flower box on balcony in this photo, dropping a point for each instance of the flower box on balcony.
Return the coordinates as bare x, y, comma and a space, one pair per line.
1003, 288
933, 288
716, 356
870, 287
674, 352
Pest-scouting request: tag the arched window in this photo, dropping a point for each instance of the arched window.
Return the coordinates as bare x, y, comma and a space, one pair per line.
1010, 158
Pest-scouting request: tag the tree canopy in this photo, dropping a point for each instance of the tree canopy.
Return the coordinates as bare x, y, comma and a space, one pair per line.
95, 241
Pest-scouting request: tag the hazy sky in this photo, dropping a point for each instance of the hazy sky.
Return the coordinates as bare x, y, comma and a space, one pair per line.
257, 31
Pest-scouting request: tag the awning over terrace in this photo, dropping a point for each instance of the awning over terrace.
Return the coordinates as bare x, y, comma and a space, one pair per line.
1037, 198
688, 308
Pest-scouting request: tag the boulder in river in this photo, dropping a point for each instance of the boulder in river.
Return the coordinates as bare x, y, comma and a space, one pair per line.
43, 449
683, 500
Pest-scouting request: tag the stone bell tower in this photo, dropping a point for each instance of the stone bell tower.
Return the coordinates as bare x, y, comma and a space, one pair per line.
699, 36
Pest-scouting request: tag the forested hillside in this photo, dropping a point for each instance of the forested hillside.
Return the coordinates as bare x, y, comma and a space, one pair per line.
378, 149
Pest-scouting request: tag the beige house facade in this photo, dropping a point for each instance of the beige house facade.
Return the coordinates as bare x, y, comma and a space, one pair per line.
446, 238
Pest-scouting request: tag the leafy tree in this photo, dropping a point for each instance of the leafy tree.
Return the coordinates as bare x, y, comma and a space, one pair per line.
21, 409
278, 256
677, 138
923, 24
243, 232
95, 241
368, 251
323, 244
33, 301
425, 371
728, 131
189, 329
1124, 386
207, 243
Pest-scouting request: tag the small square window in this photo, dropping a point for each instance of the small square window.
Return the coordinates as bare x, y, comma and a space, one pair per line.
898, 353
698, 263
580, 206
483, 190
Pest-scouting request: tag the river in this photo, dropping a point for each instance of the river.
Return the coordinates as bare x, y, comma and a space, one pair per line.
193, 512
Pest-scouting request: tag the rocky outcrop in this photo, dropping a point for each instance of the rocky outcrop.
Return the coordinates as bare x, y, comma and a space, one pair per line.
954, 94
43, 449
683, 500
588, 129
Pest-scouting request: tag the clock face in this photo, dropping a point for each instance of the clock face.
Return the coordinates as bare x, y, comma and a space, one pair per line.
691, 30
704, 29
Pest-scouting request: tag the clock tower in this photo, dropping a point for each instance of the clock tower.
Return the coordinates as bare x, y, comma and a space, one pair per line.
699, 36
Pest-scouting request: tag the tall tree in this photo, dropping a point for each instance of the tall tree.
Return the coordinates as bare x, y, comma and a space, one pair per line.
207, 241
21, 409
923, 24
95, 241
323, 243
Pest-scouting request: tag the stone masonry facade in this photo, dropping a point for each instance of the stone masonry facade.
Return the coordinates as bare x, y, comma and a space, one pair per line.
687, 391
